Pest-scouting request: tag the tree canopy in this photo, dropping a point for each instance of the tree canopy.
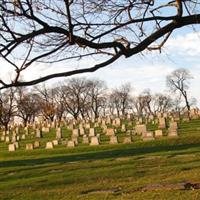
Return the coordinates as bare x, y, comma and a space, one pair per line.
52, 31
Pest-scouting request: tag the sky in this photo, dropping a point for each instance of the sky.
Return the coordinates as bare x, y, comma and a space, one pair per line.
143, 71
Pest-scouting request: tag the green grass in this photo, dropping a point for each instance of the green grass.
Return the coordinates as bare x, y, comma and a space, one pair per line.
114, 172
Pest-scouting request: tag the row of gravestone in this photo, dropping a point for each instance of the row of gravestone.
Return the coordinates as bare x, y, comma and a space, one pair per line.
140, 129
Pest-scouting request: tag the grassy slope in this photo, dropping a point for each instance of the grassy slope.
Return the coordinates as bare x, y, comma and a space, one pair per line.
64, 173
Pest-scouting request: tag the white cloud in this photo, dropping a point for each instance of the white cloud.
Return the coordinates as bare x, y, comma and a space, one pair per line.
185, 45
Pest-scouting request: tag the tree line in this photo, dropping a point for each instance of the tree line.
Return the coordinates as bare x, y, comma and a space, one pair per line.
91, 98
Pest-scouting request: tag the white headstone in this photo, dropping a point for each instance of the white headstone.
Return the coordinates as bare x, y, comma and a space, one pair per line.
29, 146
11, 147
94, 141
49, 145
70, 144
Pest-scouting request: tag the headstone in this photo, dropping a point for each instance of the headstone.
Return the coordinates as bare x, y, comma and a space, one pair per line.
91, 132
87, 125
162, 123
85, 140
49, 145
75, 132
26, 130
75, 140
127, 140
140, 129
2, 138
118, 122
29, 146
172, 131
55, 142
123, 129
23, 137
104, 127
82, 131
94, 141
7, 139
173, 125
38, 133
16, 145
70, 143
148, 136
14, 138
110, 131
113, 140
58, 133
11, 147
36, 144
158, 133
45, 129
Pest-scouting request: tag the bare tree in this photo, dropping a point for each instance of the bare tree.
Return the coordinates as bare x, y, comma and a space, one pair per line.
47, 102
56, 31
60, 108
178, 81
75, 95
27, 105
7, 107
97, 97
120, 98
162, 103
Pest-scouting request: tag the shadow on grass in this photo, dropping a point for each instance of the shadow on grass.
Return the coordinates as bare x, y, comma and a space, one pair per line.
90, 156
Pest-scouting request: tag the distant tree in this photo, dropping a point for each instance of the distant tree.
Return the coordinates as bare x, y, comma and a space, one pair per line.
47, 102
59, 100
27, 105
120, 98
162, 103
178, 81
76, 94
97, 91
142, 103
7, 107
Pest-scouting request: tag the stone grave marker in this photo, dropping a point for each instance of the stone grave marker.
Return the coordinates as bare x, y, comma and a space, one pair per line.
94, 141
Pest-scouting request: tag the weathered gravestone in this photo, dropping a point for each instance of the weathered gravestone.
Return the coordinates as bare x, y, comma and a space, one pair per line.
113, 139
81, 131
91, 132
70, 143
123, 128
2, 138
158, 133
162, 123
110, 131
38, 133
58, 133
55, 142
148, 136
140, 129
49, 145
16, 145
85, 139
127, 140
7, 139
75, 132
29, 146
172, 131
11, 147
94, 141
75, 140
36, 144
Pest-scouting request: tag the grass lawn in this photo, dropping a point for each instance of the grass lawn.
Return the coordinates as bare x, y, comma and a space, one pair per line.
154, 170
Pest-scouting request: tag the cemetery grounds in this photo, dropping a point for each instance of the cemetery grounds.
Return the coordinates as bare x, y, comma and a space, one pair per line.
166, 168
